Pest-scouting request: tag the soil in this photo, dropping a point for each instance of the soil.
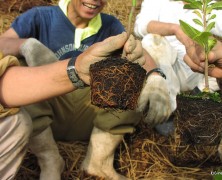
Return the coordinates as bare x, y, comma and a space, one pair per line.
199, 121
116, 83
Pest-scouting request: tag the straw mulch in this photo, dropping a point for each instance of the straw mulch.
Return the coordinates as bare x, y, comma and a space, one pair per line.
144, 154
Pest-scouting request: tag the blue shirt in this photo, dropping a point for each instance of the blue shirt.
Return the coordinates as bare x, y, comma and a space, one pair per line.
50, 26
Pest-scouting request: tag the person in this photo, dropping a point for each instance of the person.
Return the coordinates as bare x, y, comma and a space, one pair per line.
195, 58
19, 83
155, 20
66, 31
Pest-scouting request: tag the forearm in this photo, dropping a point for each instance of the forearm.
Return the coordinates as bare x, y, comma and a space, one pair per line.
10, 46
162, 28
25, 85
149, 62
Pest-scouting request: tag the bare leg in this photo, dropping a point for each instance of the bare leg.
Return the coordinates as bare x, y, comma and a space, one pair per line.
100, 155
50, 161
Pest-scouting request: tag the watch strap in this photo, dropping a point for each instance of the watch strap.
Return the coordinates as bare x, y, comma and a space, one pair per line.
72, 74
158, 70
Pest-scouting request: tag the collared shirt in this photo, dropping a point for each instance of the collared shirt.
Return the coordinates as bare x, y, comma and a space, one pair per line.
81, 34
51, 26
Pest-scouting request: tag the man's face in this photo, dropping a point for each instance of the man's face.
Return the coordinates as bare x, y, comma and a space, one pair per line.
88, 9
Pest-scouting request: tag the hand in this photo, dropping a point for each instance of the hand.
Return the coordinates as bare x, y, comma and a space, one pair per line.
36, 53
195, 58
134, 51
154, 100
104, 49
182, 37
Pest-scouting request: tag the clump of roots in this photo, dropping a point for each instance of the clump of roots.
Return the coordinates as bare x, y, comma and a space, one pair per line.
116, 83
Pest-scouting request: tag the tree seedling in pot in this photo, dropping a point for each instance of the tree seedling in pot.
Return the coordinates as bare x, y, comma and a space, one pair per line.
116, 83
203, 11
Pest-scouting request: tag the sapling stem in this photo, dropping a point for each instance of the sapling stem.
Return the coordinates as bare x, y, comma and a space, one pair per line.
131, 17
206, 88
129, 23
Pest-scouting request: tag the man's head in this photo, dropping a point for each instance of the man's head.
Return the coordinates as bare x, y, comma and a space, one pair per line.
88, 9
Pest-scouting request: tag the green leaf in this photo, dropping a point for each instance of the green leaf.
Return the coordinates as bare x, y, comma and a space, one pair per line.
208, 10
211, 43
197, 13
211, 17
202, 38
197, 21
210, 26
193, 5
217, 5
188, 30
208, 1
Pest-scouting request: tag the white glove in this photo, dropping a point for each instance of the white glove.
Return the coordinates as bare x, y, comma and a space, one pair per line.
36, 53
134, 50
154, 100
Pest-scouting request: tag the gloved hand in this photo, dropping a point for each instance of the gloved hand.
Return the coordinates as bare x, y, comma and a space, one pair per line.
101, 50
36, 53
154, 100
134, 50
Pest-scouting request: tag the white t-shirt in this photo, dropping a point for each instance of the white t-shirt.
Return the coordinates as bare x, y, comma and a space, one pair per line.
170, 12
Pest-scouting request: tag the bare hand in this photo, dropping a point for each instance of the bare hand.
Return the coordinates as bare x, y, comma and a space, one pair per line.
195, 58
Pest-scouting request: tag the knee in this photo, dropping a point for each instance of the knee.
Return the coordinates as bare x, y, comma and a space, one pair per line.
23, 126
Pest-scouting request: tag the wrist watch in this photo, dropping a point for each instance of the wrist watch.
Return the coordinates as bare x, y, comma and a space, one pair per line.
158, 70
72, 74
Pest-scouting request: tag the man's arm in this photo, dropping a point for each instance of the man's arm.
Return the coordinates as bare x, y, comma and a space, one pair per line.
25, 85
169, 29
10, 43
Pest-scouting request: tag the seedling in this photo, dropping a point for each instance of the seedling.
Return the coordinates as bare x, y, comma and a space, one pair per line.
129, 23
130, 17
203, 10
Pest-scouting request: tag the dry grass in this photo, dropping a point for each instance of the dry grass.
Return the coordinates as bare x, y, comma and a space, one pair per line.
142, 155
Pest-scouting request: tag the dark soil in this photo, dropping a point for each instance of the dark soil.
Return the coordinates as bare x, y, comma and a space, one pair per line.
199, 121
194, 143
116, 83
